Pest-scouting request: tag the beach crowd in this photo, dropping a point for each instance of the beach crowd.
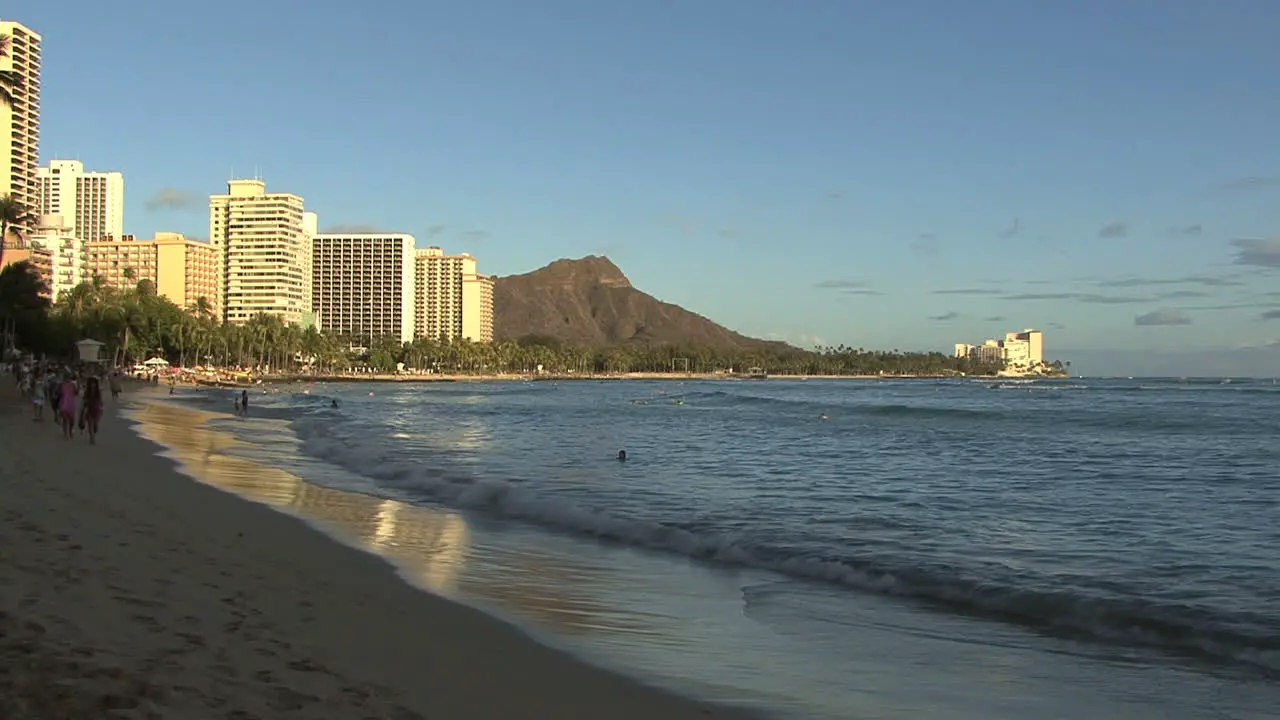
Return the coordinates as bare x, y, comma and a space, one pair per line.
72, 392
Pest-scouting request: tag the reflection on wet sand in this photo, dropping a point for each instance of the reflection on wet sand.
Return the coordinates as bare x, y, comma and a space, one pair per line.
432, 548
430, 544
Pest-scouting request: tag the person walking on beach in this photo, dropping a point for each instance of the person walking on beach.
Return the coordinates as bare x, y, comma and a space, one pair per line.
67, 406
115, 384
92, 408
52, 383
35, 388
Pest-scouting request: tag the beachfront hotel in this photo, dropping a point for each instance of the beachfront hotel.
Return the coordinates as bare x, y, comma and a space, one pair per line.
1021, 351
451, 299
66, 253
363, 285
90, 203
182, 270
20, 120
263, 244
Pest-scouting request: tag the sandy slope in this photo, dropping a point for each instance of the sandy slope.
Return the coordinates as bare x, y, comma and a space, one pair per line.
128, 590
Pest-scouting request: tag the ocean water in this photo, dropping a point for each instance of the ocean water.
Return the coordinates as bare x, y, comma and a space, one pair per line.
843, 549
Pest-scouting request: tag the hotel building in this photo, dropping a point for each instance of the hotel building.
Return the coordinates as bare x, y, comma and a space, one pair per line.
363, 286
182, 270
91, 203
20, 118
66, 253
1020, 351
1024, 350
263, 244
452, 300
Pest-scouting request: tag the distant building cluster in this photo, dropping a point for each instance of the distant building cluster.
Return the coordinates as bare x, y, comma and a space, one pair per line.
265, 253
1021, 352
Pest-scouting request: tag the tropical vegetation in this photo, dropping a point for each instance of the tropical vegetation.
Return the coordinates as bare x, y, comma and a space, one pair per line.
136, 324
13, 216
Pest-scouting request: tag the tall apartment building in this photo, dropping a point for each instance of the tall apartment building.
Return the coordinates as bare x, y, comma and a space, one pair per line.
263, 243
184, 271
91, 202
20, 118
452, 300
477, 307
66, 253
363, 285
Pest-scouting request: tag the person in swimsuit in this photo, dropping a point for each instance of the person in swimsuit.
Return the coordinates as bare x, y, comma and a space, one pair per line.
67, 407
92, 408
36, 389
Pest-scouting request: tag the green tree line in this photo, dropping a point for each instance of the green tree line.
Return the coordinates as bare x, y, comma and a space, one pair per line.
137, 324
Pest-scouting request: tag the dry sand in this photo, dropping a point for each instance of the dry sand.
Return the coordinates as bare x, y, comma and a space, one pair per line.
128, 590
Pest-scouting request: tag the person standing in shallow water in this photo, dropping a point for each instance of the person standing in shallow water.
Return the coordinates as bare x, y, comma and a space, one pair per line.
244, 402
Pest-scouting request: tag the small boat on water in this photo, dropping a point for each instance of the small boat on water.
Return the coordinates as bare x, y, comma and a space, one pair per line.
756, 373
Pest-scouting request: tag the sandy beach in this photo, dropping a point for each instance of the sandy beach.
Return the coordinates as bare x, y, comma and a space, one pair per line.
129, 590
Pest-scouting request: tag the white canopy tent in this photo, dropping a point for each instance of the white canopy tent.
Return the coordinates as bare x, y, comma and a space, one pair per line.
156, 362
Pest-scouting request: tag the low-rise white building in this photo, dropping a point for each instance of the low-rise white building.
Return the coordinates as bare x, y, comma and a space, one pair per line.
56, 235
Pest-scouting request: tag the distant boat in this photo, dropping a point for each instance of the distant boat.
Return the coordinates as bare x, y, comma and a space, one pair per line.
756, 373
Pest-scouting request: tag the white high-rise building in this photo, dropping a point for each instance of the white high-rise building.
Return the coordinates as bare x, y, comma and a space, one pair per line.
263, 247
92, 203
363, 285
452, 300
20, 118
54, 233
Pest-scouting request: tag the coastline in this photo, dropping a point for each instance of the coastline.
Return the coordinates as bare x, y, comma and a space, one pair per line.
139, 590
618, 377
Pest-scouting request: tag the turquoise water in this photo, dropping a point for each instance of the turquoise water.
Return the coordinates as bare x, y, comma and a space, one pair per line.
848, 549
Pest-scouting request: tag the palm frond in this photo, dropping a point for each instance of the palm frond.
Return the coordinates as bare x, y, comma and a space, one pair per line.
9, 81
13, 212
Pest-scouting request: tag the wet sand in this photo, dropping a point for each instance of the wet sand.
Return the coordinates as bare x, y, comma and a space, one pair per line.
129, 590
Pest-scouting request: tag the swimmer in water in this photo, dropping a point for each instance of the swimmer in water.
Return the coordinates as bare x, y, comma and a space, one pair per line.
823, 416
622, 456
335, 404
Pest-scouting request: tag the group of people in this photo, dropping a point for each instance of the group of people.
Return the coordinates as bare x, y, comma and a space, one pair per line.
75, 396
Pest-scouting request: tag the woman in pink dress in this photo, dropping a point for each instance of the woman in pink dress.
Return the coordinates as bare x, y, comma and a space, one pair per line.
92, 408
67, 407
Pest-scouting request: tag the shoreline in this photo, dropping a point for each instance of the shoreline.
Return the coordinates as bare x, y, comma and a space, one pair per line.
428, 379
142, 590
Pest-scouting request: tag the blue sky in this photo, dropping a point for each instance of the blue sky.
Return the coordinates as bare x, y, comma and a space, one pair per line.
883, 174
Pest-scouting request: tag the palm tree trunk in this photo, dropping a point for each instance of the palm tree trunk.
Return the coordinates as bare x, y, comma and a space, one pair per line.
4, 235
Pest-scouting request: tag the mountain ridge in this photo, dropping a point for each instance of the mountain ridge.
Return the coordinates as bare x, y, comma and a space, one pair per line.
590, 301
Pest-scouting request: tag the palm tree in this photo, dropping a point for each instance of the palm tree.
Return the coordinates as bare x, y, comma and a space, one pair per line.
13, 215
9, 80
